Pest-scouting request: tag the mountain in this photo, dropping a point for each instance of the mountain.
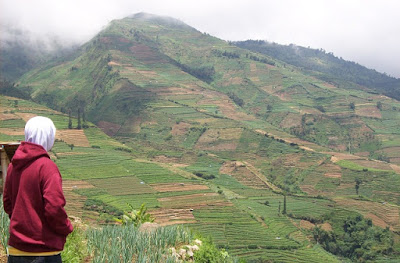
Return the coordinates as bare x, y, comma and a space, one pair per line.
144, 59
326, 66
236, 144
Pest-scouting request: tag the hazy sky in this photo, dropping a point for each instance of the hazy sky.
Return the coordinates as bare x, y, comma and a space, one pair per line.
364, 31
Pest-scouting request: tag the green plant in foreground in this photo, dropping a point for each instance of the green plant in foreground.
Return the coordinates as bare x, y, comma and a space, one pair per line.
209, 253
136, 217
75, 249
127, 243
4, 224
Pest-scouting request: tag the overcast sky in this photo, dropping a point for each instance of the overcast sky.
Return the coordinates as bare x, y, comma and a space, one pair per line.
364, 31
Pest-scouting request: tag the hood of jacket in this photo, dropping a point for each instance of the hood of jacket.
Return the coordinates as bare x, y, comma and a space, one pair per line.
27, 153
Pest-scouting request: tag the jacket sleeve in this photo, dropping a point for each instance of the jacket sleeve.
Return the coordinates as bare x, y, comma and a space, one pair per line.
54, 201
7, 194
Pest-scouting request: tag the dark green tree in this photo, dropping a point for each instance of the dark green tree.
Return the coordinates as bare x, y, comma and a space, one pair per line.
284, 205
79, 119
357, 186
69, 120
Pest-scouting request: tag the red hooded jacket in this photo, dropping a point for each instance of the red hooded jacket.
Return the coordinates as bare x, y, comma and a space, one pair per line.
34, 200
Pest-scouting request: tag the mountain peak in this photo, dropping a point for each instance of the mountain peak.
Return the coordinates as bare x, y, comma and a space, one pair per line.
162, 20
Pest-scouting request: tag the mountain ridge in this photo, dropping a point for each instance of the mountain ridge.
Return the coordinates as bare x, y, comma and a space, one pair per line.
330, 67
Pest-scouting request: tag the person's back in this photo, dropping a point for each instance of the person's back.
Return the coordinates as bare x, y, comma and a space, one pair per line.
34, 200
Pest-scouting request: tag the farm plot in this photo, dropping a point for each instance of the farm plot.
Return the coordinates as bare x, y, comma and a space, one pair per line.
122, 202
219, 139
75, 137
193, 201
75, 202
6, 116
12, 123
242, 174
230, 227
291, 120
314, 254
122, 185
152, 173
368, 111
173, 216
13, 131
381, 214
225, 105
178, 187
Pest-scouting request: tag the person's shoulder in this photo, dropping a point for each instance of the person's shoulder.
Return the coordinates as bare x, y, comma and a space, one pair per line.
47, 162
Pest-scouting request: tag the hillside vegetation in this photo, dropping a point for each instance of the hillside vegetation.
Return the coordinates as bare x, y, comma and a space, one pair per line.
326, 66
234, 144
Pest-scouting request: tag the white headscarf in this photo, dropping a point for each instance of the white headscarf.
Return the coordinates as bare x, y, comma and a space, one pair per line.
40, 130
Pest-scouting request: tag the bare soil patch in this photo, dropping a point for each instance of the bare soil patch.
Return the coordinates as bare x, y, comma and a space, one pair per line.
396, 167
333, 175
341, 156
7, 116
309, 189
291, 120
173, 216
26, 116
75, 137
374, 164
253, 67
362, 154
184, 197
12, 132
165, 159
146, 54
113, 63
109, 128
180, 128
392, 151
326, 226
225, 105
306, 224
241, 173
193, 201
219, 139
368, 111
178, 187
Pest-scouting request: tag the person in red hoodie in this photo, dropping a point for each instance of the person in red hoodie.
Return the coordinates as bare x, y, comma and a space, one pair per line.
34, 200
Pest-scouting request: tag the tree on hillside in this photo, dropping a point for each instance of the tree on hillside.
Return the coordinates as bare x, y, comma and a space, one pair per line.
358, 239
284, 205
79, 119
352, 106
379, 105
357, 186
69, 120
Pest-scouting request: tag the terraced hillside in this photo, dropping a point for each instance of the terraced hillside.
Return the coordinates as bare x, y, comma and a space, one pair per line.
214, 136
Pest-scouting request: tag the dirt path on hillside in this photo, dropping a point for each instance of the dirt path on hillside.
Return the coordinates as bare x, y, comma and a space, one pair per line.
262, 177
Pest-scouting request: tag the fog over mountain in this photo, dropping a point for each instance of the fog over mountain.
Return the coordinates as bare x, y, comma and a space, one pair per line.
361, 31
